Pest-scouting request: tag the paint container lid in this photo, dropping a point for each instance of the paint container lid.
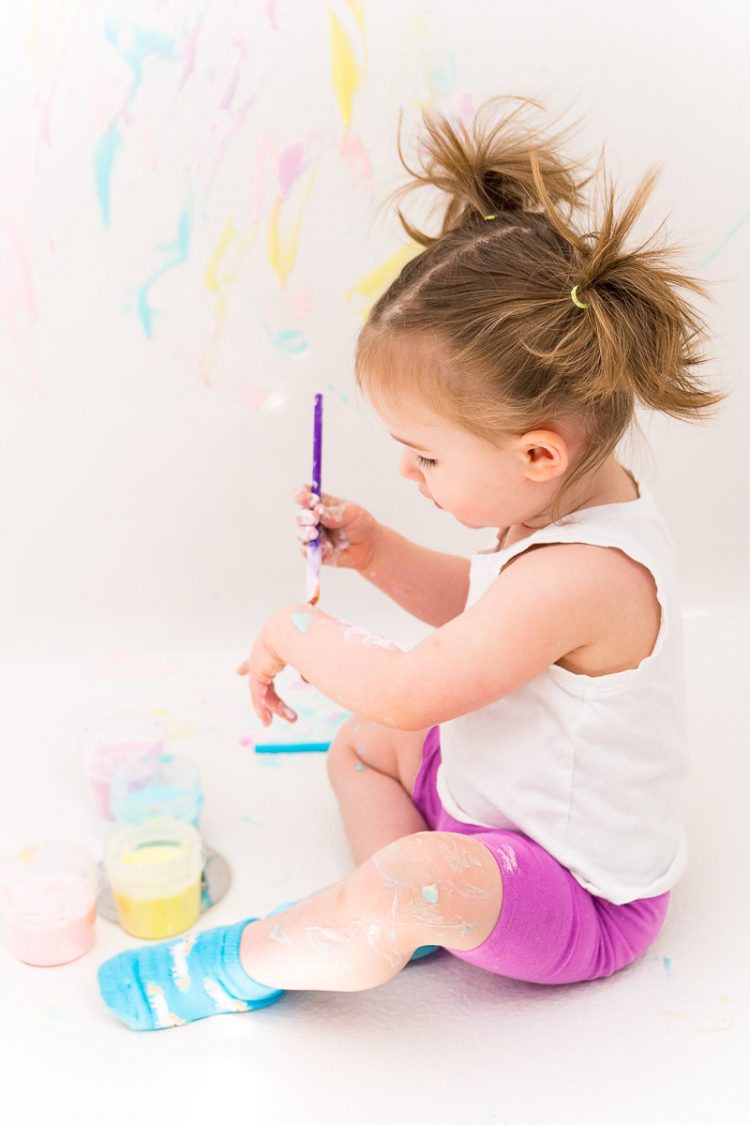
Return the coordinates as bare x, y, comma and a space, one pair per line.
155, 858
48, 884
113, 740
156, 785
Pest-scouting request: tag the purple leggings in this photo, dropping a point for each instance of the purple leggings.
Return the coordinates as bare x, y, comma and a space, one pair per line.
550, 930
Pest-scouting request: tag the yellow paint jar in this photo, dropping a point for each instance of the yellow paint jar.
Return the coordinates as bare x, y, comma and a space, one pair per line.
155, 869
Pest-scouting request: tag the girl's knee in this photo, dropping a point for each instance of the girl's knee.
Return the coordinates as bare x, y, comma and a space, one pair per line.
447, 883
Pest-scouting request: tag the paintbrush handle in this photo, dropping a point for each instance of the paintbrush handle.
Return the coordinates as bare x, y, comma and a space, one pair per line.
314, 547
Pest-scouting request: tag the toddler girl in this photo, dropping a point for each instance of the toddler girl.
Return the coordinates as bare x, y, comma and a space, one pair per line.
510, 786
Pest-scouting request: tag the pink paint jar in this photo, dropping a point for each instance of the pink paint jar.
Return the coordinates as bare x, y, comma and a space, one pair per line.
110, 743
48, 902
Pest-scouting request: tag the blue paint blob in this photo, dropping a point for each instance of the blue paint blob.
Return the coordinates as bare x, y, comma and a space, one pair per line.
359, 766
431, 893
291, 340
301, 621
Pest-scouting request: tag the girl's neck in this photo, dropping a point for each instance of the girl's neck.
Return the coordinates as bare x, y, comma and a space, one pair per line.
612, 484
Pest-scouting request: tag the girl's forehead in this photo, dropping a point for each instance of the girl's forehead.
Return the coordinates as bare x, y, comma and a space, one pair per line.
409, 415
417, 424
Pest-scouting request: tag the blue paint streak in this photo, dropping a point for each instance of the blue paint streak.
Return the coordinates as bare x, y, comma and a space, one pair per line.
144, 43
106, 149
179, 248
724, 241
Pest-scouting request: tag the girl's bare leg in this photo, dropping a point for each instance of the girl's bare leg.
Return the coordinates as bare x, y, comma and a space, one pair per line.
372, 770
438, 888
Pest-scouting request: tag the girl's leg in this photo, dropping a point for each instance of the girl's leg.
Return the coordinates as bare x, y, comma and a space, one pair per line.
429, 887
372, 770
439, 887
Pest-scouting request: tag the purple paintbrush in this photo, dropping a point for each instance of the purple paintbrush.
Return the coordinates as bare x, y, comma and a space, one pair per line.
314, 546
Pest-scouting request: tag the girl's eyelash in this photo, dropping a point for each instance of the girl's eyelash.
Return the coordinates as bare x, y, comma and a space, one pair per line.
425, 462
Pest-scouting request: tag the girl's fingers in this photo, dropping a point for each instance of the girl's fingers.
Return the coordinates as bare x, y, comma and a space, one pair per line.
259, 696
305, 496
266, 703
278, 706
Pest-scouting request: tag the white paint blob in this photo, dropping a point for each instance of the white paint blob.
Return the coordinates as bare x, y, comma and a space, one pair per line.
358, 633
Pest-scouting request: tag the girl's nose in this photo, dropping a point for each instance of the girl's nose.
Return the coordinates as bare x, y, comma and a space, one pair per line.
407, 468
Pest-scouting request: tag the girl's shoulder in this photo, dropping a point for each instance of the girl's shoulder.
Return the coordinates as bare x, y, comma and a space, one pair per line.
622, 591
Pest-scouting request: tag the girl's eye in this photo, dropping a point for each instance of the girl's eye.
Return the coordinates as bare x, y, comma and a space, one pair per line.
425, 462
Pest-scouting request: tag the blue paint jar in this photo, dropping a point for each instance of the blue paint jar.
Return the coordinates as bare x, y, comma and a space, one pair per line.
156, 785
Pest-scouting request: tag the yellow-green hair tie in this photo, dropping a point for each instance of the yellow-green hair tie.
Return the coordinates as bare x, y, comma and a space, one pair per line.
580, 304
490, 216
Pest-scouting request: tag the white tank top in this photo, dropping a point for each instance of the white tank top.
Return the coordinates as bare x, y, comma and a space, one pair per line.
591, 767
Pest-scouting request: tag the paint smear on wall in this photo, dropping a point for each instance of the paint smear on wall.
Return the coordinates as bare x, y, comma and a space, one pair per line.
107, 147
346, 69
223, 268
134, 44
373, 283
179, 252
356, 157
283, 254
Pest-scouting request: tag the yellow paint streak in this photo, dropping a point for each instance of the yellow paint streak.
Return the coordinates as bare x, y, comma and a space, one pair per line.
346, 71
282, 257
373, 283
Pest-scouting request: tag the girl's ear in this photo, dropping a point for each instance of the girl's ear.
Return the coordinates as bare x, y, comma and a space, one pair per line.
544, 454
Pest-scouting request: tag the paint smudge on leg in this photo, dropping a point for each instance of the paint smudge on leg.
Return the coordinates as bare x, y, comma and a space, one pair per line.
301, 621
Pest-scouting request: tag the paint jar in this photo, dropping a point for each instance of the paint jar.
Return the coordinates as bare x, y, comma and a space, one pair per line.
48, 899
154, 869
156, 785
111, 742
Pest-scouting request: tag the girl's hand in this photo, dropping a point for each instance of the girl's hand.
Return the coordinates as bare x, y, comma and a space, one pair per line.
262, 665
347, 531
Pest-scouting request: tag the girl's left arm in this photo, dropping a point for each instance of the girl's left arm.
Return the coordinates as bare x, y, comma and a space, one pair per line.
358, 669
550, 602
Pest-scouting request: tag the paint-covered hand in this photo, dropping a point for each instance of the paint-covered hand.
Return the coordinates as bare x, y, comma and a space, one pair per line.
261, 666
347, 531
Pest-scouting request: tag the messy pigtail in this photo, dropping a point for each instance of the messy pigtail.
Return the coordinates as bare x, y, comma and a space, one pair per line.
486, 168
482, 322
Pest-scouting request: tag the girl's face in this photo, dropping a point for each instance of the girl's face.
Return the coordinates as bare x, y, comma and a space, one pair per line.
480, 484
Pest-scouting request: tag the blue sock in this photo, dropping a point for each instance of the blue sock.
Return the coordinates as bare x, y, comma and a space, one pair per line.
422, 951
187, 978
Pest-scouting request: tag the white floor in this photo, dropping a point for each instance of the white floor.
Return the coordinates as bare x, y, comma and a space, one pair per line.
665, 1040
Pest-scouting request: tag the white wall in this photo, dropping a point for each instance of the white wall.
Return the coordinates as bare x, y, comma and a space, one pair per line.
146, 466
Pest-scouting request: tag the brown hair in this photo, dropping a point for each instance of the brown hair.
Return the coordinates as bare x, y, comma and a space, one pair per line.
481, 323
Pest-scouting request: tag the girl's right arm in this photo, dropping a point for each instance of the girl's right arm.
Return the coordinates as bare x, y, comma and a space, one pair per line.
430, 585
